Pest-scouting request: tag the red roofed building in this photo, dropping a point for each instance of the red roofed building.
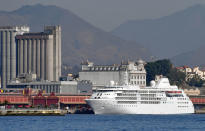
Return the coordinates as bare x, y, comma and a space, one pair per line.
39, 100
52, 100
191, 72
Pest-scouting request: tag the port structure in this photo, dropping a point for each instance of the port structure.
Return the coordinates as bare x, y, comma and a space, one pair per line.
65, 99
74, 102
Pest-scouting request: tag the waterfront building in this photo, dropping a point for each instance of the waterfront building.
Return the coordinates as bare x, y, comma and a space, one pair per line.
102, 75
45, 86
192, 92
75, 87
191, 72
40, 53
8, 52
63, 87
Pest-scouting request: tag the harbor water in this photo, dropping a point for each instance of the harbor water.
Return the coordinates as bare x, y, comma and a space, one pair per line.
192, 122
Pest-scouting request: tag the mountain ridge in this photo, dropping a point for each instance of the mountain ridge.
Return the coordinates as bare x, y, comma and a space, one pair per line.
190, 58
170, 35
80, 40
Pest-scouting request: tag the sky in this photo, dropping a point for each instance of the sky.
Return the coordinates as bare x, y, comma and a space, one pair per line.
108, 14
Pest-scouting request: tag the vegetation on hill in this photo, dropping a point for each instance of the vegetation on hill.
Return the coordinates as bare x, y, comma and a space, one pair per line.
196, 81
165, 68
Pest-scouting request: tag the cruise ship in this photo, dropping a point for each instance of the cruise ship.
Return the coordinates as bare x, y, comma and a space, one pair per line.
159, 98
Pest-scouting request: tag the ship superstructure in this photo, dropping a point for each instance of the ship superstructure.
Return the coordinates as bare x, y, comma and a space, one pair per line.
159, 98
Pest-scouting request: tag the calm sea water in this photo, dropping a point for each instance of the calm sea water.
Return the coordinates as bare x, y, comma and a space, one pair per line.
104, 122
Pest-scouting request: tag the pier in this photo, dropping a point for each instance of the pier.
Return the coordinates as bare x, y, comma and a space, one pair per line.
32, 112
68, 102
43, 104
199, 103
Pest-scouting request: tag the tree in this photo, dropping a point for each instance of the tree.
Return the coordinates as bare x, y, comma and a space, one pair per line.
196, 81
176, 77
165, 68
160, 67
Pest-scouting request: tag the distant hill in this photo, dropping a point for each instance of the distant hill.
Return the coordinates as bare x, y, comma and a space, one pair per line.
80, 40
191, 58
169, 36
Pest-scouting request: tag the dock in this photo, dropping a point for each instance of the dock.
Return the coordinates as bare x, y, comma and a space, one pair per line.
199, 111
33, 112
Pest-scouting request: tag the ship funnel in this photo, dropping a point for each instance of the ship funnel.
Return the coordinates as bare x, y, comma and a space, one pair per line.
112, 83
152, 83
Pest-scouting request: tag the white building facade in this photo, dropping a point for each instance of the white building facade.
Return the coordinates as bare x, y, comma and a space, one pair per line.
102, 75
191, 72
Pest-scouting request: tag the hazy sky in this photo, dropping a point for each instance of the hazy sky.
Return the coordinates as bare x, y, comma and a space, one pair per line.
108, 14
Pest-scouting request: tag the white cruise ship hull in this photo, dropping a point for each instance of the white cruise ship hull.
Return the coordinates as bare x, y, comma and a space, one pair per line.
160, 98
101, 106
